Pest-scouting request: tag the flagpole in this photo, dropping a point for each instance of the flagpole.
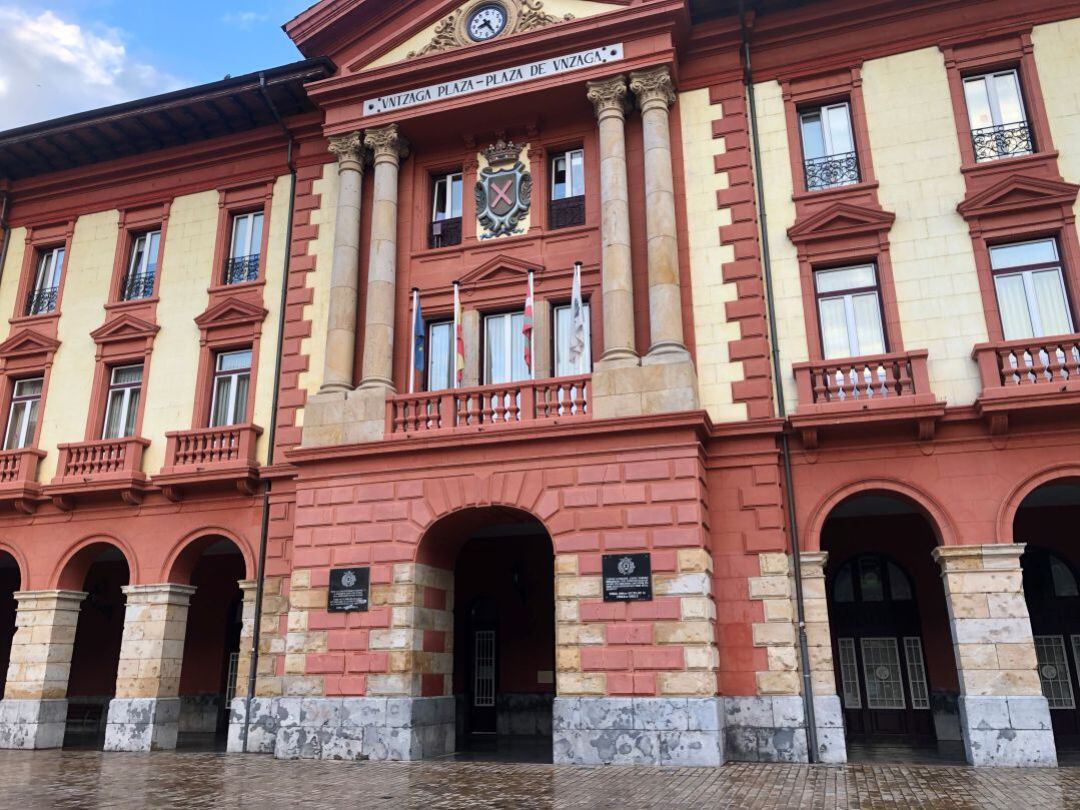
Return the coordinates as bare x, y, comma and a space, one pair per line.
412, 343
532, 332
457, 326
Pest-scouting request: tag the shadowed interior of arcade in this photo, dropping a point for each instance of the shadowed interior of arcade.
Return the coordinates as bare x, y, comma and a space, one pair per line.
503, 639
9, 586
892, 652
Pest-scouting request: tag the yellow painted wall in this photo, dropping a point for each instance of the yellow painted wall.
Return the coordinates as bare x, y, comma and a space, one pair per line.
712, 331
917, 159
12, 268
86, 288
1058, 62
322, 248
557, 8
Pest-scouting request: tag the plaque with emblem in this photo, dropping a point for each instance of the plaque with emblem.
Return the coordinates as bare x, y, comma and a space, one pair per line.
348, 590
503, 191
627, 577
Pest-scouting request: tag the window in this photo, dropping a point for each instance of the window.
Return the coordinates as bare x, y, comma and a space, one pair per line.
441, 356
1030, 290
567, 189
122, 407
42, 298
828, 143
243, 262
849, 307
232, 378
139, 282
446, 211
504, 349
23, 414
995, 106
565, 364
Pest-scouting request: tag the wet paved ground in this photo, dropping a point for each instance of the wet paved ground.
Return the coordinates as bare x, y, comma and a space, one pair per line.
71, 779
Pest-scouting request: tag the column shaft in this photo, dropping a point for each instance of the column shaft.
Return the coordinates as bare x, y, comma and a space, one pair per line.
388, 148
345, 274
609, 99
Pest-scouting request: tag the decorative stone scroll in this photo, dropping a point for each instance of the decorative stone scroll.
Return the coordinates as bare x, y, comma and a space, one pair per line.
521, 16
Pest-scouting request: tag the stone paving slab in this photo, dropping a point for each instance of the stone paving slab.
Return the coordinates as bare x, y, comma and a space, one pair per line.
83, 780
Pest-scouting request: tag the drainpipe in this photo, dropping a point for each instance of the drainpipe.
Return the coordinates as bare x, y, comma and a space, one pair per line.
260, 576
781, 407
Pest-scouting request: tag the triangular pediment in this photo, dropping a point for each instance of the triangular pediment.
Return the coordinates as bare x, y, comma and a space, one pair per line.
841, 219
231, 312
498, 269
1019, 191
126, 327
28, 342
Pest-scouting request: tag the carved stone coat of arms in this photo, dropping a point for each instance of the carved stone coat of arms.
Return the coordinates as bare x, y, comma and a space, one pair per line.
503, 191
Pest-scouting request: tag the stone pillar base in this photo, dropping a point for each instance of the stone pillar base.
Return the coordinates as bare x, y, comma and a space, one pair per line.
1007, 731
773, 729
353, 417
667, 385
625, 731
261, 734
32, 725
142, 724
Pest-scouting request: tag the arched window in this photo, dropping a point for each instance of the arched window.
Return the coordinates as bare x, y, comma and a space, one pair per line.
871, 578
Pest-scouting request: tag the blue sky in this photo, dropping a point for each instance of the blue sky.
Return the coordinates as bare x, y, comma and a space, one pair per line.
63, 56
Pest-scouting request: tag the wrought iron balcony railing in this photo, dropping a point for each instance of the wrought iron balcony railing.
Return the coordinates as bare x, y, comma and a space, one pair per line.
41, 301
444, 233
567, 212
832, 171
239, 269
138, 286
1006, 140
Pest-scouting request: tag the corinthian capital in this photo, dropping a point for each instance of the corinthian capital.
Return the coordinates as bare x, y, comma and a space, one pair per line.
653, 87
386, 142
347, 148
608, 96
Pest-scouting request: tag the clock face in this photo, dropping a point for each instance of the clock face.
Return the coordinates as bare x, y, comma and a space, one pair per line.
487, 22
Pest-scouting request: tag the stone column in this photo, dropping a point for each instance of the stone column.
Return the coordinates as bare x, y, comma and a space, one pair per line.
655, 95
389, 148
1004, 717
33, 713
609, 99
145, 714
345, 273
828, 713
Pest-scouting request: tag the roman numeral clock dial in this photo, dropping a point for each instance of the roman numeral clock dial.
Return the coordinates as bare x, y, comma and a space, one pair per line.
487, 22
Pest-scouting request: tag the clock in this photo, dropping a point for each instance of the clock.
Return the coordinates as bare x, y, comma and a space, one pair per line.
486, 22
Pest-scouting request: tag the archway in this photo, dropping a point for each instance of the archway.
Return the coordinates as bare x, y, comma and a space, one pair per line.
214, 566
101, 570
10, 581
1046, 521
894, 663
503, 642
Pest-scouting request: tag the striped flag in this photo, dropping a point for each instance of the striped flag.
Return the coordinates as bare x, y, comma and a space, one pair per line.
459, 341
419, 336
577, 320
527, 326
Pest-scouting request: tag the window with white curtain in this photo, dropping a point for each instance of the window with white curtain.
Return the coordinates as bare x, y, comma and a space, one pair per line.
995, 105
564, 327
247, 235
504, 349
232, 379
42, 298
1030, 290
828, 143
142, 267
849, 309
568, 174
122, 406
441, 356
446, 202
23, 413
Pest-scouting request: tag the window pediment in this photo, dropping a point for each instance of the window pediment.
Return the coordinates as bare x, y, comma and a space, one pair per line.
499, 270
1018, 192
29, 348
841, 220
231, 319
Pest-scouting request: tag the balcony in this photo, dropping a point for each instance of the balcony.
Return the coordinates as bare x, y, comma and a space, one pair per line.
18, 478
42, 301
1021, 374
138, 286
566, 213
863, 390
444, 233
209, 456
1004, 141
99, 467
832, 171
489, 407
240, 269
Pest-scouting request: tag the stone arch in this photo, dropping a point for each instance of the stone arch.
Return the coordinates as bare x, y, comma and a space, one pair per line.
1006, 517
185, 554
71, 571
459, 524
921, 500
20, 562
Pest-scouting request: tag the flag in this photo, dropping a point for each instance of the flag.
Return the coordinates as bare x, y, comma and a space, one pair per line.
419, 337
577, 320
459, 341
527, 325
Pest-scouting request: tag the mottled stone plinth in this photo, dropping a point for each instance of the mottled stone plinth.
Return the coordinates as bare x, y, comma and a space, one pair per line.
626, 731
1007, 731
352, 417
29, 725
773, 729
142, 724
398, 729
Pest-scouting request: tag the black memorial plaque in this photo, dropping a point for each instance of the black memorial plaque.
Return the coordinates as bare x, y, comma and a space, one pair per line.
627, 578
348, 590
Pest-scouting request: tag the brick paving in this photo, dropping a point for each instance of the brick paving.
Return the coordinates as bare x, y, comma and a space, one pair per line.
83, 780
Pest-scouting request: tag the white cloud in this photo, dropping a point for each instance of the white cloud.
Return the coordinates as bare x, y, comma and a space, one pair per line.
244, 19
50, 67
